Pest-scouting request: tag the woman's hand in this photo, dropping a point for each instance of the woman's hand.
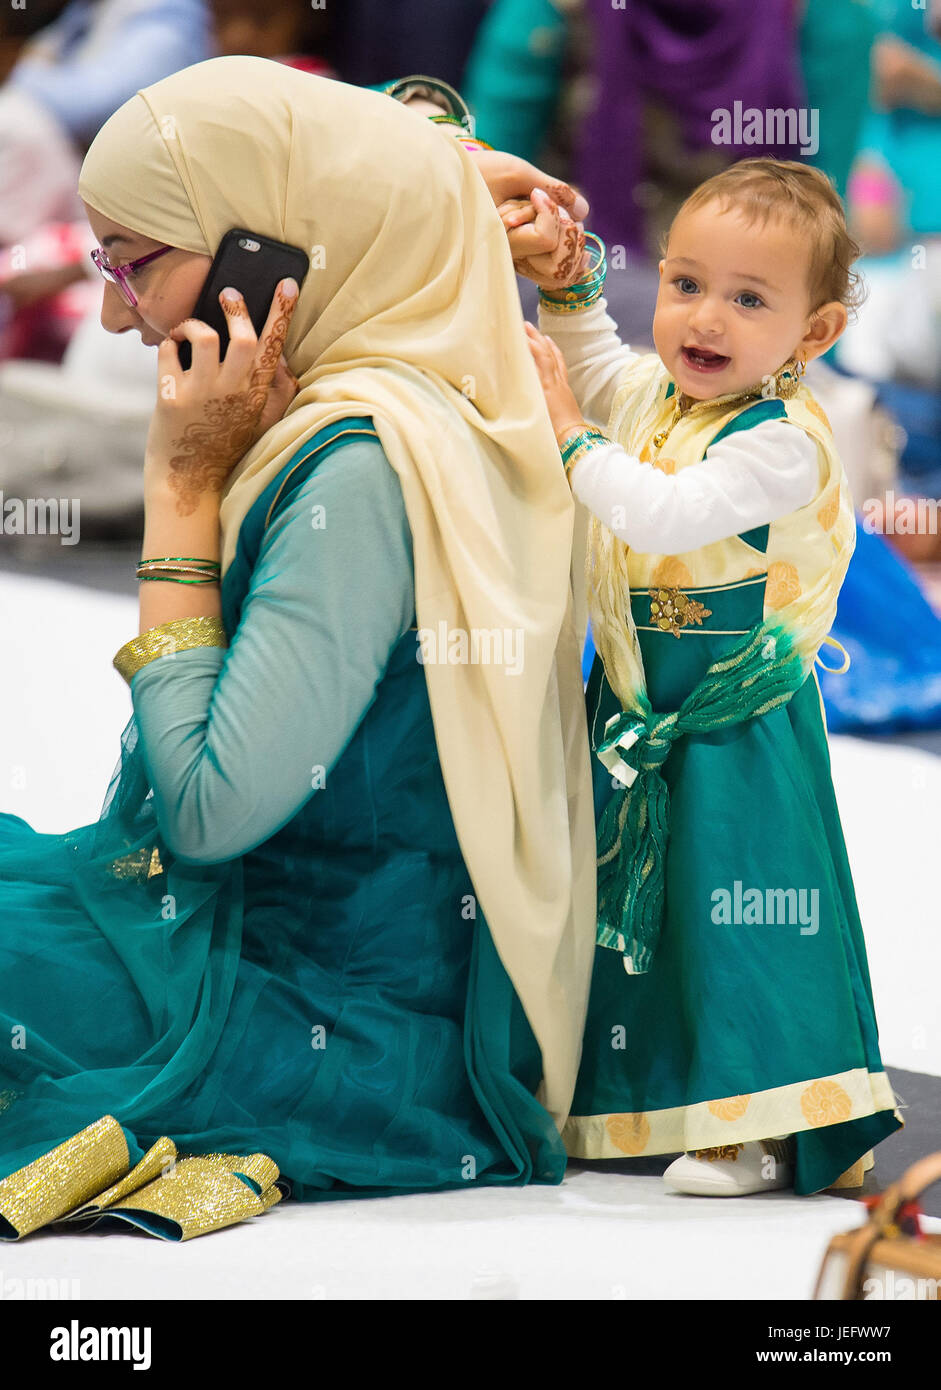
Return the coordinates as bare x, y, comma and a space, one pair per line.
544, 218
508, 176
207, 418
547, 246
563, 408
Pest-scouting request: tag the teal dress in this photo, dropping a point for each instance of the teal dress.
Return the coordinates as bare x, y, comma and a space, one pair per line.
269, 940
756, 1016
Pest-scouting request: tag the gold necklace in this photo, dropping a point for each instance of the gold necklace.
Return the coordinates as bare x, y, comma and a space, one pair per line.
786, 383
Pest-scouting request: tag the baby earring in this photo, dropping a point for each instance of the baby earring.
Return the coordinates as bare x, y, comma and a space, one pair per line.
787, 381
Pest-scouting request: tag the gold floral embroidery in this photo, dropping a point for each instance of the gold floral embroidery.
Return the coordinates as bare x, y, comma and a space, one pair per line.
671, 572
665, 465
671, 609
783, 585
732, 1108
829, 512
144, 863
826, 1103
629, 1133
731, 1151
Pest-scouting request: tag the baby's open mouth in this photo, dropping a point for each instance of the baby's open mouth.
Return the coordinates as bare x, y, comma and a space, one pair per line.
703, 360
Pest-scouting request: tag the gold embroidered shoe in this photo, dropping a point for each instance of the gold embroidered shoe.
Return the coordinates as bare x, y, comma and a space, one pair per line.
732, 1170
73, 1187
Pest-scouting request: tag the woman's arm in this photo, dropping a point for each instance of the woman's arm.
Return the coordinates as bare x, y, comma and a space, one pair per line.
190, 451
167, 532
233, 738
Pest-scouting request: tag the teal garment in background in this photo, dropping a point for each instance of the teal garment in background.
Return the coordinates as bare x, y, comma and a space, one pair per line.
513, 78
836, 38
268, 941
909, 141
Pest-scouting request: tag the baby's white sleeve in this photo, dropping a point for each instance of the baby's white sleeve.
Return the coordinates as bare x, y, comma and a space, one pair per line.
746, 480
594, 355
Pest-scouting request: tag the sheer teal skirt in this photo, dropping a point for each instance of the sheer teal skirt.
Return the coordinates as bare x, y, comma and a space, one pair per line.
366, 1054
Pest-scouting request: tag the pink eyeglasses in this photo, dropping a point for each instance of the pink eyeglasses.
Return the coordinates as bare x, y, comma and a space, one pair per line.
115, 274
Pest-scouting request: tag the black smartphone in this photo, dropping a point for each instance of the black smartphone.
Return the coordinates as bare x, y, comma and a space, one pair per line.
253, 265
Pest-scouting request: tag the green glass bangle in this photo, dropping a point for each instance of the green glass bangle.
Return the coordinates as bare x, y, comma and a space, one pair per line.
572, 306
584, 437
445, 119
195, 559
581, 294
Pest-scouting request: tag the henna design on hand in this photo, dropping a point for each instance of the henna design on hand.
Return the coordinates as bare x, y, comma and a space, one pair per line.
208, 451
572, 243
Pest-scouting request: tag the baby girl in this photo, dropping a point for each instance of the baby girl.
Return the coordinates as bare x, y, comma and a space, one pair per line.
742, 1035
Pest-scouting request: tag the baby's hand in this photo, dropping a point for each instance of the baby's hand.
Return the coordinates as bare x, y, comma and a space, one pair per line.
547, 246
563, 408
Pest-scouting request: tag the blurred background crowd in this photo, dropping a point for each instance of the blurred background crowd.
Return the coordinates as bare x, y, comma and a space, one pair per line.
616, 96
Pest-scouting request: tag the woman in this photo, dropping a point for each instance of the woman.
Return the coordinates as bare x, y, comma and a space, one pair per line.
338, 909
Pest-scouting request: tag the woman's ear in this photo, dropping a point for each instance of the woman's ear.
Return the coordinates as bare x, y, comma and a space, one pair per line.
826, 325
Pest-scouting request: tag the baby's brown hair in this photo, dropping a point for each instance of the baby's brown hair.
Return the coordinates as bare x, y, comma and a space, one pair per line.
765, 188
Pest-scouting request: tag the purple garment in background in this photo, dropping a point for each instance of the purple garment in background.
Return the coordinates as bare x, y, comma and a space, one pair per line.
692, 56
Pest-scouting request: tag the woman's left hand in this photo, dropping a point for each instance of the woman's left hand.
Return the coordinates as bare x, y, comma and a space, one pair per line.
207, 418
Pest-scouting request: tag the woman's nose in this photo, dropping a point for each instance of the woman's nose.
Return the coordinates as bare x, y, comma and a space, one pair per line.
117, 316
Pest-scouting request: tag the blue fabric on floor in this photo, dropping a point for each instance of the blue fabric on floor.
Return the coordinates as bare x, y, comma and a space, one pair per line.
894, 640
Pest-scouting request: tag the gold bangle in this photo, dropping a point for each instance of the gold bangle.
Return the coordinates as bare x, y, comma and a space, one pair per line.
180, 634
178, 579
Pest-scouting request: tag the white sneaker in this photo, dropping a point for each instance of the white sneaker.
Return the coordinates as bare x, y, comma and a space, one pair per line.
733, 1170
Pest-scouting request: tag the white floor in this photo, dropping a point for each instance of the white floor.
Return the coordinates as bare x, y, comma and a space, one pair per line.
600, 1235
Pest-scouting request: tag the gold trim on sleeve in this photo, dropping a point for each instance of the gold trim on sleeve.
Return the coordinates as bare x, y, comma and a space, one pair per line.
176, 636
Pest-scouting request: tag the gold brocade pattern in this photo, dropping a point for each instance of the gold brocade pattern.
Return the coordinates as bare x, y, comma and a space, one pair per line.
672, 573
179, 635
142, 864
730, 1151
826, 1103
63, 1178
176, 1198
196, 1196
630, 1133
732, 1108
795, 1107
158, 1158
829, 512
816, 409
783, 584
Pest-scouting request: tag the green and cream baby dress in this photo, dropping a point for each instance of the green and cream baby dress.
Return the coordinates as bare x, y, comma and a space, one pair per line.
731, 999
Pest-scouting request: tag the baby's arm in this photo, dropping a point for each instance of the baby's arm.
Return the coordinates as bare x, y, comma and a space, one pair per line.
594, 355
746, 480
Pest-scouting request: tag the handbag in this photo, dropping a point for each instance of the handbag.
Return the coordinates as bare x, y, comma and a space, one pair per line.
889, 1257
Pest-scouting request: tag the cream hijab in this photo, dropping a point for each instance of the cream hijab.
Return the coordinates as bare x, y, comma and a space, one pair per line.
410, 314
